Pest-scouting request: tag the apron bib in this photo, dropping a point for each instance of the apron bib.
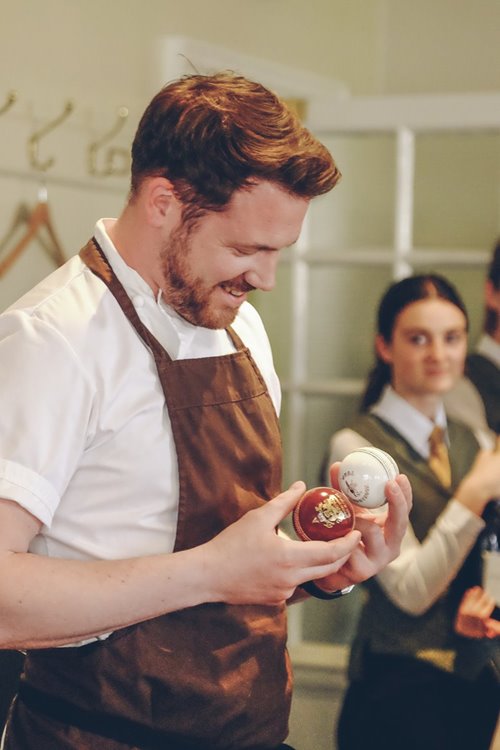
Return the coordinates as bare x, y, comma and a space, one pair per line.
211, 676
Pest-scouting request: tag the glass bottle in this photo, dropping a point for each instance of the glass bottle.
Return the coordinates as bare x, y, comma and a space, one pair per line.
489, 542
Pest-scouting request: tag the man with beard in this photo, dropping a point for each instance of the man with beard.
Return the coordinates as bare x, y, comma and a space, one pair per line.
140, 450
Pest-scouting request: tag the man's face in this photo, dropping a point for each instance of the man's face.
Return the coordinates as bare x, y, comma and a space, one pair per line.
209, 270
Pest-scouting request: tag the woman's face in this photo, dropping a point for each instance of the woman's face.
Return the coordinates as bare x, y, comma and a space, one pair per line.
427, 351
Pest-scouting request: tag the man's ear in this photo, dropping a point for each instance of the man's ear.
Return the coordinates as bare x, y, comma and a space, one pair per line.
159, 199
383, 349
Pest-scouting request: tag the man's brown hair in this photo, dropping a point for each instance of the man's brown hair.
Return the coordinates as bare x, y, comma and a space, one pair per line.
213, 134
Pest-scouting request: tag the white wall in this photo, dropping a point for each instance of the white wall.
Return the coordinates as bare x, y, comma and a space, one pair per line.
441, 46
396, 46
100, 55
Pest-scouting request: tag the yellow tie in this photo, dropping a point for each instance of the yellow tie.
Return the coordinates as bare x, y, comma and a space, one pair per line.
439, 460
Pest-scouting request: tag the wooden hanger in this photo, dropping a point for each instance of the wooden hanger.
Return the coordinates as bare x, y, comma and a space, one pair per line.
38, 219
20, 219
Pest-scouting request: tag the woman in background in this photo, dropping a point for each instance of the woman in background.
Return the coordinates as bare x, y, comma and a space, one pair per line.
421, 676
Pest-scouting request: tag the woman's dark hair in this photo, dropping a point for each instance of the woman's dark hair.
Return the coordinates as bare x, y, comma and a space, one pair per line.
213, 134
491, 316
398, 296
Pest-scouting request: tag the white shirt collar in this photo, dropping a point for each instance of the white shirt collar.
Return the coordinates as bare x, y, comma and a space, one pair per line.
411, 424
180, 338
129, 278
489, 348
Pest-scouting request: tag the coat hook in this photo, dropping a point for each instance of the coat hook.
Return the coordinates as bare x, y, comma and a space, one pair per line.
9, 101
112, 153
34, 139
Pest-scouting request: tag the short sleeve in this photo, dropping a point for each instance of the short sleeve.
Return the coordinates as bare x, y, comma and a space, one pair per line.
46, 406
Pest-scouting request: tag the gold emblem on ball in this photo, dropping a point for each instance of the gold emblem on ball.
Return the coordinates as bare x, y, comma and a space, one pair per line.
331, 511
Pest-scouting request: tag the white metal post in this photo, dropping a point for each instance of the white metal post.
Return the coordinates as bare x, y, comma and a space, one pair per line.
403, 207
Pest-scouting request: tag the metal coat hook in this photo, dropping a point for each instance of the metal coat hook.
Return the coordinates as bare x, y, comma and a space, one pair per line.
35, 138
9, 101
113, 154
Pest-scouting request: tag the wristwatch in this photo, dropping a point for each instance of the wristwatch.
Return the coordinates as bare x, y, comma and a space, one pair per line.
318, 593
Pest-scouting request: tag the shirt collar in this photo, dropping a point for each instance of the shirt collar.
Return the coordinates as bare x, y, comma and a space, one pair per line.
179, 337
132, 281
411, 424
489, 348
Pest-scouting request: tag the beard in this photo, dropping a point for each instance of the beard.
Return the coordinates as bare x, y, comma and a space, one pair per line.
189, 296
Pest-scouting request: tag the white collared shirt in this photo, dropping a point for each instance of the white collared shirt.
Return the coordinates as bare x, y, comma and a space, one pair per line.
423, 571
411, 424
85, 438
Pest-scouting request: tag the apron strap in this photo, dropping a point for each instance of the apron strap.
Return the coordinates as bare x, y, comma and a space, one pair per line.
93, 257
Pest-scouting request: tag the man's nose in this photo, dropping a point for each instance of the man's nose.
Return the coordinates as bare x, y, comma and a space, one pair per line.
262, 275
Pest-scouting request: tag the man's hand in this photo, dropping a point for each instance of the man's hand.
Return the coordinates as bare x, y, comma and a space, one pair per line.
65, 601
381, 535
249, 563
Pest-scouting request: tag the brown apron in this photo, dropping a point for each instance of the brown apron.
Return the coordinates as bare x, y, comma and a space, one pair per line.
210, 676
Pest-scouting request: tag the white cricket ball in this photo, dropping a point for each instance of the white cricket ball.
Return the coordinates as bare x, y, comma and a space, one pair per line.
363, 475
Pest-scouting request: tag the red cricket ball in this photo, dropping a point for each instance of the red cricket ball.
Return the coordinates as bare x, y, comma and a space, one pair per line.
323, 513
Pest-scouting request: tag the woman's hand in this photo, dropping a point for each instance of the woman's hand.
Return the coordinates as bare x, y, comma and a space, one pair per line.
481, 483
473, 619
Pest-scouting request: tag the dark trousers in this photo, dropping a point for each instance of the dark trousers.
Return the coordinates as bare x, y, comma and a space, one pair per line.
407, 703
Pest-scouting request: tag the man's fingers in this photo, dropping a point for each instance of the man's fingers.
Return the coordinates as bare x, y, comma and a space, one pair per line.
374, 540
400, 501
334, 474
321, 559
383, 532
404, 484
317, 553
280, 506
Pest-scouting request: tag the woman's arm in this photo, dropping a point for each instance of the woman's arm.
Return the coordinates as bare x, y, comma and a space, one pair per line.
423, 571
